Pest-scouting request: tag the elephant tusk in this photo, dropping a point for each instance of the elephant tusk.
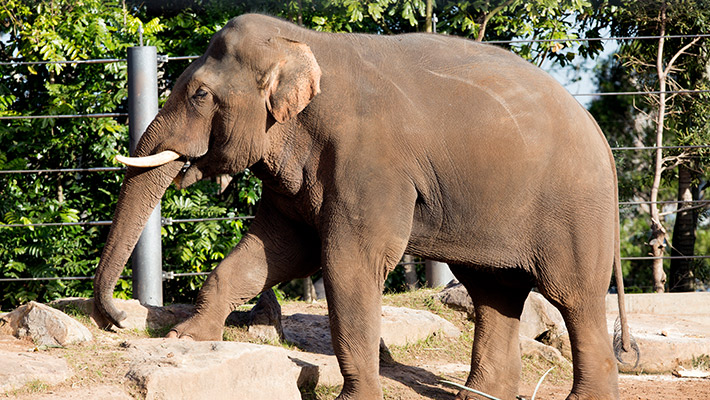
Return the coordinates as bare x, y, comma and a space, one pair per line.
155, 160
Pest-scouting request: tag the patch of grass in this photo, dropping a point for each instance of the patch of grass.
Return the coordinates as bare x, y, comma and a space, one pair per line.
534, 367
76, 312
320, 392
701, 362
236, 334
158, 332
425, 299
36, 386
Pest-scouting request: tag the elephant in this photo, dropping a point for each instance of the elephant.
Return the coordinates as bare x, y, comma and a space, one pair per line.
372, 146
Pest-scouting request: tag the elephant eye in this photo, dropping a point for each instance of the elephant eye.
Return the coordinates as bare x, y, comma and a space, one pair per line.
199, 94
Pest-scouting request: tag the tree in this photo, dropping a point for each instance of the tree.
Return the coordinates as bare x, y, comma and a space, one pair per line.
677, 120
89, 29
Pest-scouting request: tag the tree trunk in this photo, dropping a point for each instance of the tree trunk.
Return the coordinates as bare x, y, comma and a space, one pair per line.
658, 232
410, 273
681, 273
428, 23
309, 291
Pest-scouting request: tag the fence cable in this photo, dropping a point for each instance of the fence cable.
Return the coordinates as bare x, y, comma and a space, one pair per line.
64, 116
168, 275
163, 221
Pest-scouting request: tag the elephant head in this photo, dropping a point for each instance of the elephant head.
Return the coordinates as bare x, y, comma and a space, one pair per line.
218, 119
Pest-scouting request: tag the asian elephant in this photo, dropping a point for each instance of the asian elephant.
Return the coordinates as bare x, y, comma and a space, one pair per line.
371, 146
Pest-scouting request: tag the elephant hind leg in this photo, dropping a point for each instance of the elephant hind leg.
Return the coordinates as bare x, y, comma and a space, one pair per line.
595, 369
495, 359
579, 294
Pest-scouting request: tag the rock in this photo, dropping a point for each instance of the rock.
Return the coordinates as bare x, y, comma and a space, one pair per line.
44, 325
178, 369
531, 347
456, 297
540, 319
309, 332
22, 367
317, 369
103, 392
401, 326
687, 339
265, 318
562, 344
140, 317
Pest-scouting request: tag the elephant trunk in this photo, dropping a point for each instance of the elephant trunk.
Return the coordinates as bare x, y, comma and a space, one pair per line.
140, 193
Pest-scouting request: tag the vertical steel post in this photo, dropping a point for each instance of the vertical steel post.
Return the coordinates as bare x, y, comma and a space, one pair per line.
142, 108
438, 274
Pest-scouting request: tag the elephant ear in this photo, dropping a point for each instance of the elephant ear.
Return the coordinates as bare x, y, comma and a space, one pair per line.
292, 81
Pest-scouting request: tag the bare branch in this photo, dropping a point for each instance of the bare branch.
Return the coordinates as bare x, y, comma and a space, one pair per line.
488, 16
683, 209
681, 51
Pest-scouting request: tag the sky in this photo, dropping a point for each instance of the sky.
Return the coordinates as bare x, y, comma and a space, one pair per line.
579, 77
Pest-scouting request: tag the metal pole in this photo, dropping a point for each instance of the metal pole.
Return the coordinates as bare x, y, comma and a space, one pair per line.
438, 274
142, 108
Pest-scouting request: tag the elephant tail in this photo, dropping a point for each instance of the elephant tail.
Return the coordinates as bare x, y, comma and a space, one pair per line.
623, 342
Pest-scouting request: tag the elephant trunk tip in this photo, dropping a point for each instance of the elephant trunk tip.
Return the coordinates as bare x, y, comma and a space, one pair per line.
106, 314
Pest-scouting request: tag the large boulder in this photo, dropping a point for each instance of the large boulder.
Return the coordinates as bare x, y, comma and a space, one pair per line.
456, 297
533, 348
400, 326
44, 325
540, 320
178, 369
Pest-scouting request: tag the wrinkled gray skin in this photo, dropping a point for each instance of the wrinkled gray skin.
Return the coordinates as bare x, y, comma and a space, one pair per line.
373, 146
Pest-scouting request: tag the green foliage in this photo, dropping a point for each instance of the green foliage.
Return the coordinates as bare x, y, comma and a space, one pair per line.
37, 30
630, 121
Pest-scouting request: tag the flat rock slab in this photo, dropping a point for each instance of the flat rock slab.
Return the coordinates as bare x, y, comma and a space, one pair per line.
666, 341
102, 392
400, 326
177, 369
17, 368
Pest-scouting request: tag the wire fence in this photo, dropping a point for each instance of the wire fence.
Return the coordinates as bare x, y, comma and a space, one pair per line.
170, 221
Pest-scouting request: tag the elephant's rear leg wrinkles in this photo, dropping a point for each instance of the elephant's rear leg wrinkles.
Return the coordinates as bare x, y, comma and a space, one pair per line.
495, 359
595, 369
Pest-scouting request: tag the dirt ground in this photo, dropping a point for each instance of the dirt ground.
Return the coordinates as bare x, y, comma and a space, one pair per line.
415, 372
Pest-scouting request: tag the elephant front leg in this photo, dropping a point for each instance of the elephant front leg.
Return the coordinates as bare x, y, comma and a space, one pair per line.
354, 274
354, 309
275, 250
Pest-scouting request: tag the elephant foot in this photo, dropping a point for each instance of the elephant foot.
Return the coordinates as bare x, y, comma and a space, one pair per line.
591, 396
194, 329
469, 395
